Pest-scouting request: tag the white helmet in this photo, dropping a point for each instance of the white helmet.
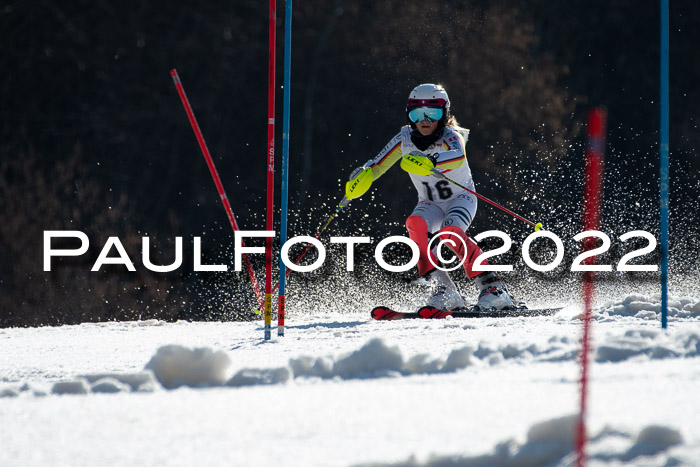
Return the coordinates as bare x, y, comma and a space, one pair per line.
430, 95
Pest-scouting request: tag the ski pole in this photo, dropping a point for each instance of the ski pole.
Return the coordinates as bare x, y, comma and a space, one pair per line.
343, 203
437, 173
215, 176
422, 165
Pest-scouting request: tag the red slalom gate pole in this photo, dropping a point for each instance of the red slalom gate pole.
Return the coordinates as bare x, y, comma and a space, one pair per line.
592, 197
215, 176
270, 161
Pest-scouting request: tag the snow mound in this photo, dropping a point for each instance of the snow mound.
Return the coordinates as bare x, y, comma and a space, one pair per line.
552, 443
650, 343
653, 440
175, 366
109, 386
143, 381
77, 386
377, 359
638, 342
373, 359
649, 307
9, 392
252, 376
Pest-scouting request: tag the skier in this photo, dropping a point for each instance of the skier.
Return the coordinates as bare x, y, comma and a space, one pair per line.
434, 139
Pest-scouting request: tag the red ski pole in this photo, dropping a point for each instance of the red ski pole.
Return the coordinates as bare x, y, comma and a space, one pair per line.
537, 226
215, 176
421, 165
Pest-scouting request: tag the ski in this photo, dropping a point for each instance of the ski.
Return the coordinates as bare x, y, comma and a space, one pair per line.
382, 313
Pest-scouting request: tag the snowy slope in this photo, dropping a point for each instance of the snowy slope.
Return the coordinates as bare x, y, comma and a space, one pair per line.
341, 389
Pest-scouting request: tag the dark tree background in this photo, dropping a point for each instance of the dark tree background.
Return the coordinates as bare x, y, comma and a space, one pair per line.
93, 136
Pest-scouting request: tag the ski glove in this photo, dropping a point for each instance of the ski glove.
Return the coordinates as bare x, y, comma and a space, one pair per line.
356, 172
431, 157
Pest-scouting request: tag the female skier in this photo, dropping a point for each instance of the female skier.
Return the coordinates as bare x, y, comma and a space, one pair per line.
434, 138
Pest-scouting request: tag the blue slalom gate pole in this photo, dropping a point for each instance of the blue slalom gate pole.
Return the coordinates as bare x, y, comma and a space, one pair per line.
664, 130
285, 158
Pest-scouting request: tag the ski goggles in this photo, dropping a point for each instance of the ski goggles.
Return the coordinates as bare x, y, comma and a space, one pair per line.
431, 114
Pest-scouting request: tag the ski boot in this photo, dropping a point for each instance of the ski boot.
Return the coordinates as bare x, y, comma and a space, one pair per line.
445, 296
493, 293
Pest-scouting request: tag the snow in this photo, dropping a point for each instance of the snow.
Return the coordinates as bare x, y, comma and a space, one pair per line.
175, 366
341, 389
